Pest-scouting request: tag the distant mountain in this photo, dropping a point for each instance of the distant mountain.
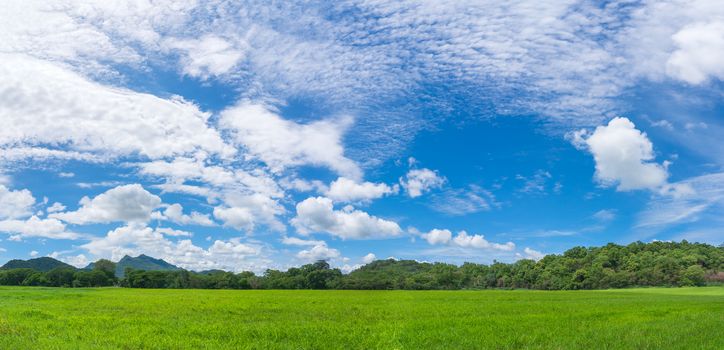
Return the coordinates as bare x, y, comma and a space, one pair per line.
142, 262
43, 264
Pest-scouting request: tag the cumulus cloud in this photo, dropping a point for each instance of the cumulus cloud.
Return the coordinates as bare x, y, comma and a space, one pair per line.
623, 156
182, 169
207, 56
419, 181
56, 207
248, 197
348, 190
464, 240
219, 177
15, 204
317, 214
238, 218
478, 241
318, 252
80, 261
437, 236
127, 203
699, 54
532, 254
174, 213
246, 212
36, 227
281, 143
369, 258
302, 185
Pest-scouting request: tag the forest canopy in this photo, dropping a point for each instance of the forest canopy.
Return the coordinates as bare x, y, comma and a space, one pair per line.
611, 266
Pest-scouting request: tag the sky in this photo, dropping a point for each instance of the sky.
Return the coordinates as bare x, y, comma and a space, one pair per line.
255, 135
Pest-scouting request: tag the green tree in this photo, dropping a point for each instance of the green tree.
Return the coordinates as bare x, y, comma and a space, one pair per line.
694, 275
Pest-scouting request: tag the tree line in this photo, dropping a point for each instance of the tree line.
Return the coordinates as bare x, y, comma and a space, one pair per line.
610, 266
102, 275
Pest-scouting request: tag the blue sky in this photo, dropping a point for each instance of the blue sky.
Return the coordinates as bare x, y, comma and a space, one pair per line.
247, 136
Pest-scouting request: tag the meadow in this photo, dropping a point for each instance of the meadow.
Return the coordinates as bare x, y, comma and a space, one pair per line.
119, 318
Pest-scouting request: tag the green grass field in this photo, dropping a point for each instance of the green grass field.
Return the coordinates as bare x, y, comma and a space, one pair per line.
46, 318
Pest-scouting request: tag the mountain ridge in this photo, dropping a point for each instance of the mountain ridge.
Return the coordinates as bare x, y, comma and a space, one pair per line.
141, 262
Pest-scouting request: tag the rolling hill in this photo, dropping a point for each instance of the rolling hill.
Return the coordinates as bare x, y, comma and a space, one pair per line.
43, 264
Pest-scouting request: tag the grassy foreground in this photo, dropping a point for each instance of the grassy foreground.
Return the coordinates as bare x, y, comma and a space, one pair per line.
47, 318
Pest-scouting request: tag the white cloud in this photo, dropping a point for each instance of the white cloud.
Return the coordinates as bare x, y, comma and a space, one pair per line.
699, 54
347, 268
348, 190
283, 143
605, 215
66, 174
15, 204
249, 197
703, 199
674, 39
463, 240
193, 190
220, 178
79, 261
32, 27
87, 185
5, 179
535, 184
51, 105
174, 213
173, 233
663, 124
463, 201
34, 253
419, 181
56, 207
689, 126
36, 227
207, 56
437, 236
318, 252
302, 185
182, 169
478, 241
623, 156
300, 242
533, 254
127, 203
369, 258
317, 214
238, 218
248, 211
